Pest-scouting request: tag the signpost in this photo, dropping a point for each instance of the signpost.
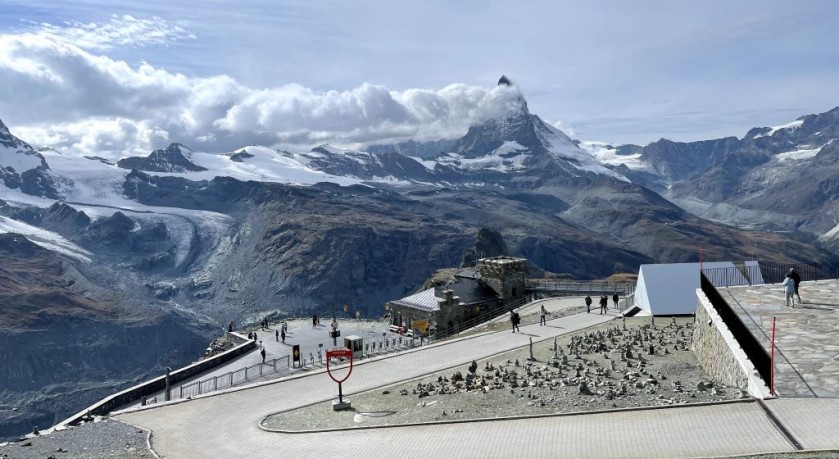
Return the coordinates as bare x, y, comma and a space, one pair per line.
335, 333
295, 355
341, 353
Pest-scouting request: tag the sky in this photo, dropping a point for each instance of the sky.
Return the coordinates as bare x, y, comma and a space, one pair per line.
116, 78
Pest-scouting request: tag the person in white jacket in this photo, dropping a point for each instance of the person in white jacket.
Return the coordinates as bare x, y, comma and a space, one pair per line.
789, 289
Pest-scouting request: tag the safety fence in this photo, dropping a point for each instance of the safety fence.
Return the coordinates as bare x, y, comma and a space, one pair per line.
768, 273
575, 287
310, 357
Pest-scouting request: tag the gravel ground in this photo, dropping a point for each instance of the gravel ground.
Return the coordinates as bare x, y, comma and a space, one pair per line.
103, 439
600, 368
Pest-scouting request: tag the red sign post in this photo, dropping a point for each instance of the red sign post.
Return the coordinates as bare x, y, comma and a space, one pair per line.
342, 353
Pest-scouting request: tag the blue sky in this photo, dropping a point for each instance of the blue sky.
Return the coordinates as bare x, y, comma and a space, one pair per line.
126, 76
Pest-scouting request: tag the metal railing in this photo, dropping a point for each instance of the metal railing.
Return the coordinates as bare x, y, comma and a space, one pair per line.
574, 287
309, 357
768, 273
479, 319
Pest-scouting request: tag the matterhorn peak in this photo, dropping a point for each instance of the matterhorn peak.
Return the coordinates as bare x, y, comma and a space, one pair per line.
504, 81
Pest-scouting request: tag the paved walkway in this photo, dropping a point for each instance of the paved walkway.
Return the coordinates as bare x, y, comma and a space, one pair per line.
807, 336
226, 425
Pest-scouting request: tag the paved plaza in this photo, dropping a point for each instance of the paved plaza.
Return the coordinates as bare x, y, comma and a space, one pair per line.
807, 336
227, 424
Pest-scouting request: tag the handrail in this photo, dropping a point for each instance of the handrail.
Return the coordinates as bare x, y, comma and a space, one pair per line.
768, 273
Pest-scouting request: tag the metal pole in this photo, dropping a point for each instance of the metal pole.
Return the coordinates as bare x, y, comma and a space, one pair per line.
340, 394
772, 362
167, 397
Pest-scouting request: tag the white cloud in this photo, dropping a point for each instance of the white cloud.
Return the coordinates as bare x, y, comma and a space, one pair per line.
119, 109
120, 30
564, 128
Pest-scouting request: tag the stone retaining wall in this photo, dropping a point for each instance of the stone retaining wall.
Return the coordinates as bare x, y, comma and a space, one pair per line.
132, 394
719, 353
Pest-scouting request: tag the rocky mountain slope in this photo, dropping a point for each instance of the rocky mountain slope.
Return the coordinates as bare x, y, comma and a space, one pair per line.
65, 342
781, 178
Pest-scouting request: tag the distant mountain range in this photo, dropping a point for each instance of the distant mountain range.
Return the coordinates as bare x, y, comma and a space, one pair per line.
197, 239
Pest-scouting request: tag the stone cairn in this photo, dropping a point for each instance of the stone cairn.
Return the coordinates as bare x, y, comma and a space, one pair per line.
611, 364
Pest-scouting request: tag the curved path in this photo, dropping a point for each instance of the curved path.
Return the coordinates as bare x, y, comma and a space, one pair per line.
226, 424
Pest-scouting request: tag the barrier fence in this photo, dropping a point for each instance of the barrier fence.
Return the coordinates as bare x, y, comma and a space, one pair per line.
768, 273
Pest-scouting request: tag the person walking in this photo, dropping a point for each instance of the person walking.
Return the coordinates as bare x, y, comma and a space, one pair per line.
588, 304
277, 335
263, 354
615, 299
789, 290
542, 313
797, 279
282, 335
604, 304
515, 319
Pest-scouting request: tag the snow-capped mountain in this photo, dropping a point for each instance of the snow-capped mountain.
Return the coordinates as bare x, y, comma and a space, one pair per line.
780, 178
175, 158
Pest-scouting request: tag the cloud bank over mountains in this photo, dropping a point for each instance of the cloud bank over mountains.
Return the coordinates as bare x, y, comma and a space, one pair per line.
53, 74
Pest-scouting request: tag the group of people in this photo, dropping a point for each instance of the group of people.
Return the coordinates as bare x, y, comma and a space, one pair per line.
604, 303
790, 285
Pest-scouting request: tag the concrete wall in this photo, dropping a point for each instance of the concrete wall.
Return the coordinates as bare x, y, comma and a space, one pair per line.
720, 355
132, 394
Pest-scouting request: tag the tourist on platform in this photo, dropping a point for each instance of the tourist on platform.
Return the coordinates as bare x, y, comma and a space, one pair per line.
604, 304
282, 335
262, 352
789, 289
797, 279
588, 304
515, 319
542, 314
277, 335
615, 299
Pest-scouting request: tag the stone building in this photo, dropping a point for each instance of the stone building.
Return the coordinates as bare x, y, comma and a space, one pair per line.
475, 294
505, 276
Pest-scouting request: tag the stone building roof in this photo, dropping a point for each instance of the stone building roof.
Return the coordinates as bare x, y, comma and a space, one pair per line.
470, 291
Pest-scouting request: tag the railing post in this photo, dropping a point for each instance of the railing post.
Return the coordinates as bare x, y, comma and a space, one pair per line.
182, 392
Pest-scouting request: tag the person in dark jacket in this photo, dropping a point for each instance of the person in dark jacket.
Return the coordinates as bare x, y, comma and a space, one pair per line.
604, 304
588, 304
615, 299
797, 279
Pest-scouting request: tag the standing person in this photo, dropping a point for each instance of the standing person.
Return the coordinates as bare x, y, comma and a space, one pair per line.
277, 335
789, 289
282, 335
797, 279
542, 314
604, 304
588, 304
263, 354
615, 299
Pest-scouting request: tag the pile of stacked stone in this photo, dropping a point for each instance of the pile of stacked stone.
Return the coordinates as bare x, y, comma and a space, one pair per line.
603, 365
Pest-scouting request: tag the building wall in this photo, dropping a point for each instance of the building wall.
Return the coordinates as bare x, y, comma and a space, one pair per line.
720, 355
505, 276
